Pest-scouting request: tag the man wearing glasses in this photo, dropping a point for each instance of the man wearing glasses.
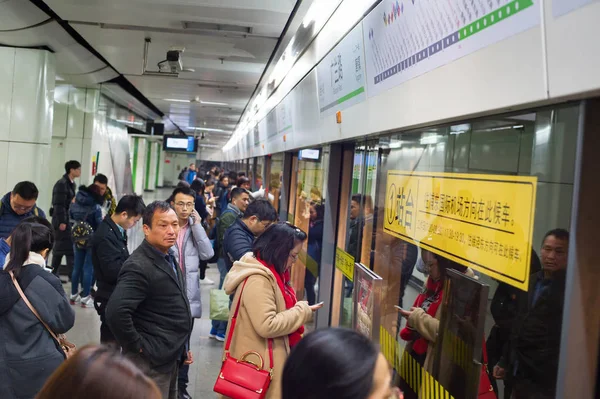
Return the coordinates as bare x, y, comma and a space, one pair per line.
18, 205
191, 247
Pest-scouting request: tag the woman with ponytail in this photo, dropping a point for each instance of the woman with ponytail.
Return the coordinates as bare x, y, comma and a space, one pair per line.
29, 353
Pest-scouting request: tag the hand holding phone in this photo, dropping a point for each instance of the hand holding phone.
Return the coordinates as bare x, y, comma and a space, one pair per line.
404, 313
316, 306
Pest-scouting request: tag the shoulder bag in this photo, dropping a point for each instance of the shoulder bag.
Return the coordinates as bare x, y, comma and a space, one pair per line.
68, 348
240, 378
486, 391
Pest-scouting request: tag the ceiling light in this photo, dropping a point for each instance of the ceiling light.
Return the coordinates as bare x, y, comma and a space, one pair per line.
130, 122
207, 129
212, 103
176, 100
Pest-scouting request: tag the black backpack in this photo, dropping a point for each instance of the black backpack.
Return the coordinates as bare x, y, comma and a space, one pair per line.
82, 232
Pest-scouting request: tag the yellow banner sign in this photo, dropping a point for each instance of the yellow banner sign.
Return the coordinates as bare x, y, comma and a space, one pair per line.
345, 262
481, 221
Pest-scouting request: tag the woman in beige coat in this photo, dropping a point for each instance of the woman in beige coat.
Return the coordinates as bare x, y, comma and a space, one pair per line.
421, 329
268, 307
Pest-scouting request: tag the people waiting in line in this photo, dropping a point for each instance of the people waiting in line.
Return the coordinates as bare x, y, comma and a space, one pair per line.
421, 330
198, 187
109, 252
269, 309
239, 237
17, 205
239, 203
337, 363
29, 353
5, 244
192, 247
531, 358
86, 214
63, 194
148, 312
99, 372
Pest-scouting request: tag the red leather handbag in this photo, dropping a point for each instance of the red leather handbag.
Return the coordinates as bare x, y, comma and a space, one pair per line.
486, 391
241, 378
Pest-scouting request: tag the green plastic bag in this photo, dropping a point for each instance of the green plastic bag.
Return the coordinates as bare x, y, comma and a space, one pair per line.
219, 305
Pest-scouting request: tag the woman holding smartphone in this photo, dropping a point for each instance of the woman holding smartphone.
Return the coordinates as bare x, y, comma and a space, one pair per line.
268, 307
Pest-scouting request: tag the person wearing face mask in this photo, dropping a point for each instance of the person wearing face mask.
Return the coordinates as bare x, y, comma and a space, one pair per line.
423, 319
268, 307
29, 353
337, 363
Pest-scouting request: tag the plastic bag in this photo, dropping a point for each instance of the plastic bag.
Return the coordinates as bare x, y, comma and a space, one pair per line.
219, 305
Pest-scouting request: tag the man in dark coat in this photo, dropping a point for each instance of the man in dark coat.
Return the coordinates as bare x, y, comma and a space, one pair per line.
109, 252
148, 312
62, 197
531, 359
18, 205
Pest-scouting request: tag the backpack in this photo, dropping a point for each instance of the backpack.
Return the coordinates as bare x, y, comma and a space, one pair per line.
82, 232
214, 233
181, 174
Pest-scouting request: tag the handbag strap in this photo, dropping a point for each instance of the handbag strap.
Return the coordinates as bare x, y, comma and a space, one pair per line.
233, 322
30, 306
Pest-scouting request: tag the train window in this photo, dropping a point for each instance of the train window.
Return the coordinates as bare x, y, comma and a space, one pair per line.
275, 179
491, 199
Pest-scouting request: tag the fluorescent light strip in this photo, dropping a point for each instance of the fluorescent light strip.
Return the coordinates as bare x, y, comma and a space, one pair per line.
130, 122
176, 100
207, 129
212, 103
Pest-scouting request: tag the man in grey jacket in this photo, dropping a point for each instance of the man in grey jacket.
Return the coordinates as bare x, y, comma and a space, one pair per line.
191, 247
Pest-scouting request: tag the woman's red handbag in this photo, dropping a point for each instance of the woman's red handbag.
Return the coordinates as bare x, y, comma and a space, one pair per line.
486, 391
241, 378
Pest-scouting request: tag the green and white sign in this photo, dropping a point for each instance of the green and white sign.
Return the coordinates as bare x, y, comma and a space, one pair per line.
341, 74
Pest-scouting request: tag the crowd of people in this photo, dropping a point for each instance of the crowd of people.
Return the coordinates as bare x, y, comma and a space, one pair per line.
147, 301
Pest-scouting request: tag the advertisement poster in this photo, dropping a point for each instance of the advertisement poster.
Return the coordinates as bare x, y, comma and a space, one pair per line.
367, 301
405, 39
480, 221
341, 74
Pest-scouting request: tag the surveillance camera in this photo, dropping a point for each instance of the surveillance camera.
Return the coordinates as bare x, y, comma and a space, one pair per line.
174, 60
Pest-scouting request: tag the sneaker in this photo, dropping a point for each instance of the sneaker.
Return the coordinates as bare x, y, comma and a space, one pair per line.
220, 337
87, 302
212, 333
183, 394
206, 281
75, 299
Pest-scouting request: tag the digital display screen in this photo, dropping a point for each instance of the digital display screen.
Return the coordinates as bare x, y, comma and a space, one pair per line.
312, 154
186, 144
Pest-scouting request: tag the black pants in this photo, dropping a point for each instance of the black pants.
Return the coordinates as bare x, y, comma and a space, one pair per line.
57, 260
309, 287
106, 335
525, 389
183, 378
495, 343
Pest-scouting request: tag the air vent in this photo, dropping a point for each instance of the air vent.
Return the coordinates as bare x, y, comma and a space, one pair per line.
205, 26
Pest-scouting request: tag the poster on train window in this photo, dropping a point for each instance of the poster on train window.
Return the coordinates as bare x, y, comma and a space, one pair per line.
367, 301
341, 74
405, 39
481, 221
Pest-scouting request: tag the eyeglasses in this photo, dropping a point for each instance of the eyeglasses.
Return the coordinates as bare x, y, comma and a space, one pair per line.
22, 208
184, 205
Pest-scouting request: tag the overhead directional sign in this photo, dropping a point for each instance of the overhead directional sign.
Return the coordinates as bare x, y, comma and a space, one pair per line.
481, 221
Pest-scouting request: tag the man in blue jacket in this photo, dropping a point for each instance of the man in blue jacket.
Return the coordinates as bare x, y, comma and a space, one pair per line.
191, 174
18, 205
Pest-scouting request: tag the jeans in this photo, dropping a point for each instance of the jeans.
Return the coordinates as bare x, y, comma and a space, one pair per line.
218, 325
83, 270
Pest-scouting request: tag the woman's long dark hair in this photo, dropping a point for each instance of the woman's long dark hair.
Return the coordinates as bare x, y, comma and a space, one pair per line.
275, 244
330, 363
25, 238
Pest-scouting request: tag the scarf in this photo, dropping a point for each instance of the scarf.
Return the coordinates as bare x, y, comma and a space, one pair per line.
289, 295
429, 300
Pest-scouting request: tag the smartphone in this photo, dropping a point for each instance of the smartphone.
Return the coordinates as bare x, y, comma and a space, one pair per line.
399, 308
320, 303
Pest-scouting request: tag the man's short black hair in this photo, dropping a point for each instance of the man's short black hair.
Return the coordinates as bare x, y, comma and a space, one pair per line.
26, 190
561, 234
262, 209
156, 206
236, 192
183, 190
72, 165
100, 178
132, 204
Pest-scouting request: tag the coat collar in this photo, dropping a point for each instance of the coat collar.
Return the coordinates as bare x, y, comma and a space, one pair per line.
160, 261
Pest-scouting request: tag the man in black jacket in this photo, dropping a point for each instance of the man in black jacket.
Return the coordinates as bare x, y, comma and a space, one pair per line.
149, 312
62, 196
532, 356
109, 252
239, 237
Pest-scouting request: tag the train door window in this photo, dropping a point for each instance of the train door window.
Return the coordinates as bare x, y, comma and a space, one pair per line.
492, 199
275, 179
311, 175
259, 173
